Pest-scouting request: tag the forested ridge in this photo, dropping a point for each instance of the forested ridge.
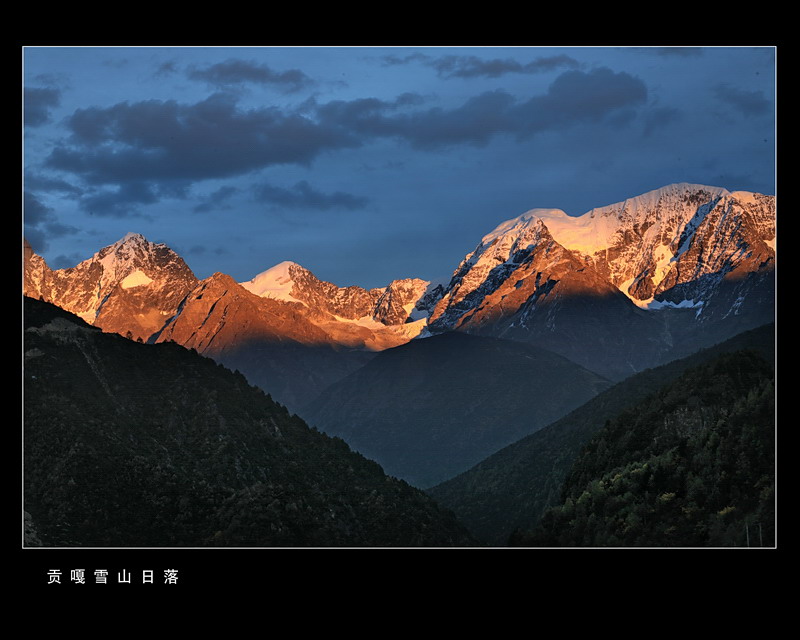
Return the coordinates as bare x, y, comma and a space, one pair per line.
692, 465
128, 444
512, 489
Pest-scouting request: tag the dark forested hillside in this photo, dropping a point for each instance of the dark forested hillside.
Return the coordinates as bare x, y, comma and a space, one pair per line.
129, 444
692, 465
511, 489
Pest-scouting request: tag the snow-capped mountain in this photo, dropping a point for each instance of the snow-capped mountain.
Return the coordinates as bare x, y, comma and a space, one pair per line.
552, 279
288, 331
355, 317
131, 286
290, 282
620, 288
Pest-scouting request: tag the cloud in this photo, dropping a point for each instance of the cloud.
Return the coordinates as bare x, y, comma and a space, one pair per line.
36, 182
41, 223
216, 200
36, 212
682, 52
38, 102
154, 148
475, 122
574, 97
303, 196
472, 66
392, 60
120, 203
53, 79
167, 68
749, 103
63, 261
236, 72
164, 141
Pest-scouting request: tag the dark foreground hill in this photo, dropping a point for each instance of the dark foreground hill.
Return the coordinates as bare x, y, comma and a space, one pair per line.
511, 489
432, 408
140, 445
692, 465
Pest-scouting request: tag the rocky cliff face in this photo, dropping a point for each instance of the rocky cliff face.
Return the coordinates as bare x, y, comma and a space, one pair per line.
353, 317
133, 286
577, 284
219, 313
290, 282
271, 341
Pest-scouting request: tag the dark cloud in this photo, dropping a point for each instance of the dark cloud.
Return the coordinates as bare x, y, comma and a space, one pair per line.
41, 223
472, 66
36, 212
366, 116
123, 202
475, 122
660, 117
573, 97
37, 239
749, 103
197, 250
36, 182
168, 145
303, 196
681, 52
167, 68
236, 72
577, 96
216, 200
38, 102
392, 60
163, 141
57, 230
52, 79
62, 261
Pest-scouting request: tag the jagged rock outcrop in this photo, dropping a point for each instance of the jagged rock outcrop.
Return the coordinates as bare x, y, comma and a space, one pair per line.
353, 317
131, 287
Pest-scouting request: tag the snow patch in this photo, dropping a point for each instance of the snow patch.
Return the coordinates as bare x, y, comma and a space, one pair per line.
275, 283
651, 304
642, 304
365, 321
683, 304
663, 258
745, 197
137, 278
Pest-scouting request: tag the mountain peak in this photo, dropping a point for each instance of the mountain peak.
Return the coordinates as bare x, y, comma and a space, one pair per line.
276, 282
131, 238
532, 220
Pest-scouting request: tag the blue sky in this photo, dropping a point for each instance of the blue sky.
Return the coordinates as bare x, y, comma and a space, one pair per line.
367, 164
